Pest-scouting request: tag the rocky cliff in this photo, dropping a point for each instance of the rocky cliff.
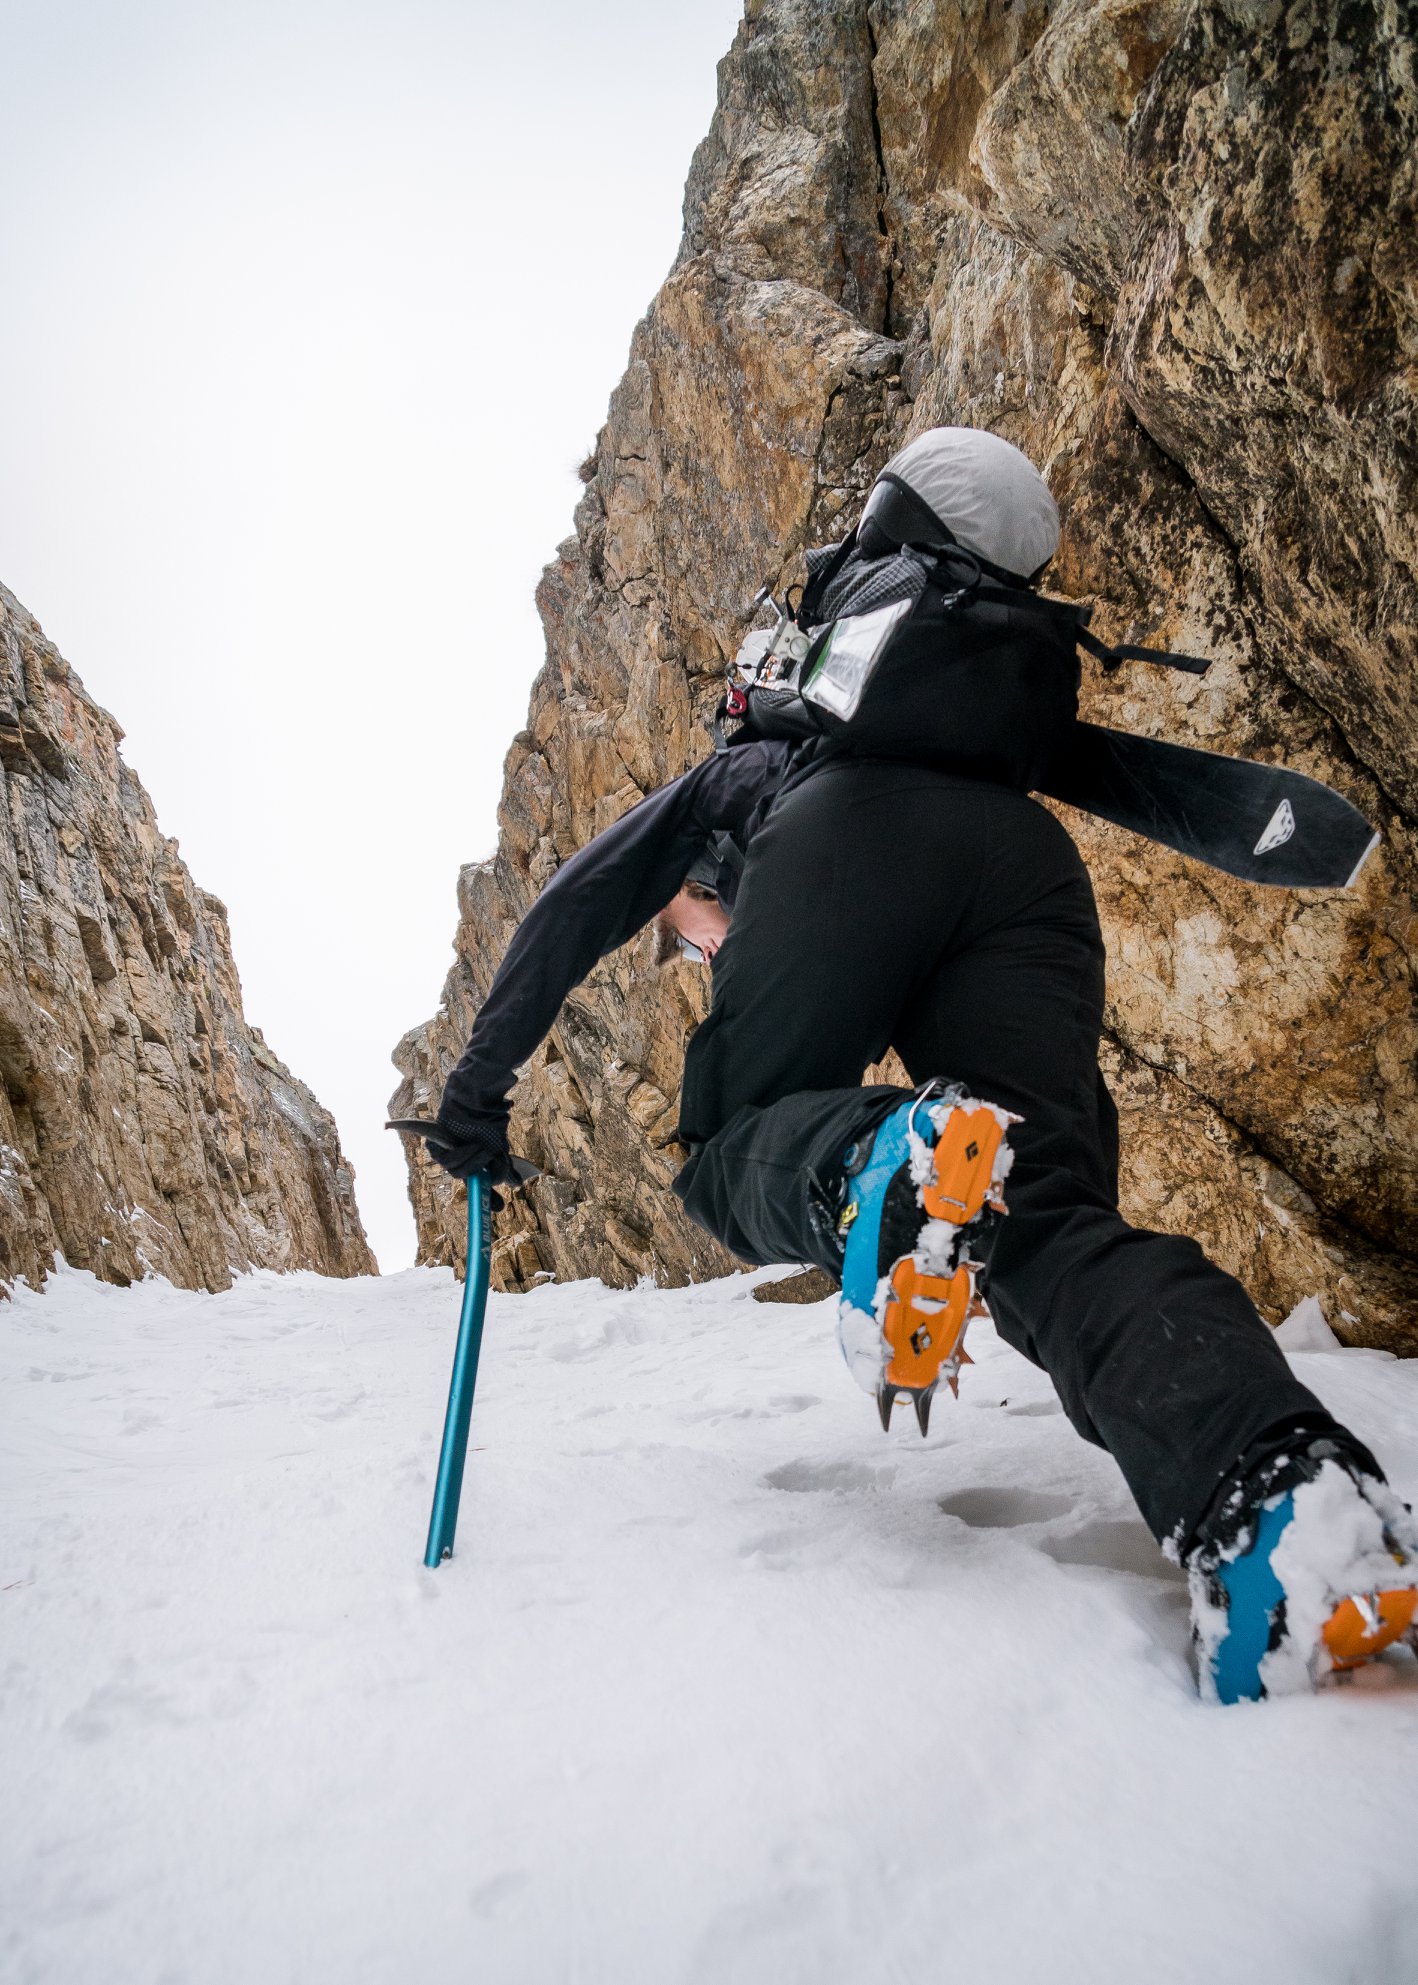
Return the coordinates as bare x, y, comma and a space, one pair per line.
144, 1127
1169, 249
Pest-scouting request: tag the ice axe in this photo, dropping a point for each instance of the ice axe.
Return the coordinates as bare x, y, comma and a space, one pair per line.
443, 1520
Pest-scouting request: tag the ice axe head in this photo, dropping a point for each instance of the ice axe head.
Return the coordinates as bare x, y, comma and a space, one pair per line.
433, 1132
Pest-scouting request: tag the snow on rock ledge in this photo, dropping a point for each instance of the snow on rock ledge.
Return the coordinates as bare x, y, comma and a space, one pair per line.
144, 1126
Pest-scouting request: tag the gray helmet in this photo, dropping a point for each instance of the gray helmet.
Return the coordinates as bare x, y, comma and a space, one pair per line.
977, 488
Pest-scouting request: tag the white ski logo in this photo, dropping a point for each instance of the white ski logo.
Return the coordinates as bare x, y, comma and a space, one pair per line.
1278, 829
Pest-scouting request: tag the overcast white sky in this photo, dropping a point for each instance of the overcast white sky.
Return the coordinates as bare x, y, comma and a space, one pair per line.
310, 312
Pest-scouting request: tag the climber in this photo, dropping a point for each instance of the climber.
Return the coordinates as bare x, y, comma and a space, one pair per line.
932, 907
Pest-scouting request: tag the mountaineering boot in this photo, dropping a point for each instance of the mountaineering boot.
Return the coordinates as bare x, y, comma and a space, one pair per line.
922, 1192
1311, 1571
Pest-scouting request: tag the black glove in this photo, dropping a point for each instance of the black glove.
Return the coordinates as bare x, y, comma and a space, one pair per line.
464, 1145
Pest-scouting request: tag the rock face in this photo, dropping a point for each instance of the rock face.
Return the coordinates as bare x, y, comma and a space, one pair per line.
144, 1127
1171, 251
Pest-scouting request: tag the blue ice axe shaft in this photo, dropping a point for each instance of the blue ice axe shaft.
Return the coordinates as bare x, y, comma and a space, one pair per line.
449, 1486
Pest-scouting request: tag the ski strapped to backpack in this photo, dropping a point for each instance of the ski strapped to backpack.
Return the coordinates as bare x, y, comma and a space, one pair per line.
935, 656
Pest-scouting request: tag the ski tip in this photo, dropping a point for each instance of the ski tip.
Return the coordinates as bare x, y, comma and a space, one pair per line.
1373, 842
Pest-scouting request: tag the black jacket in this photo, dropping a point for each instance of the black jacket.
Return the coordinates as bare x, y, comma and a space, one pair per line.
596, 902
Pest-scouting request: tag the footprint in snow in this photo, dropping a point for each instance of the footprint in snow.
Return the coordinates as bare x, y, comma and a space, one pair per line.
1110, 1544
771, 1409
488, 1897
327, 1406
1119, 1545
779, 1549
117, 1703
1003, 1509
828, 1477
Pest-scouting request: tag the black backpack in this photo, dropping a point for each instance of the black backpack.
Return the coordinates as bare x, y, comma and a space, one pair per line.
934, 656
931, 656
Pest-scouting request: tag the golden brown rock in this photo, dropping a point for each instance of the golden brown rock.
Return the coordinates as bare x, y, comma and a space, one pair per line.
1169, 250
144, 1127
809, 1285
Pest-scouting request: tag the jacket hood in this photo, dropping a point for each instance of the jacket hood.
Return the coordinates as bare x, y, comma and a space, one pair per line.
988, 494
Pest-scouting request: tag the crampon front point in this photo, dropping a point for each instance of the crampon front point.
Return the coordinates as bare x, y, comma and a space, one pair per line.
924, 1329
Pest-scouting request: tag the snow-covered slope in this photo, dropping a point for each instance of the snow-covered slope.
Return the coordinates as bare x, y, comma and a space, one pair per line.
722, 1684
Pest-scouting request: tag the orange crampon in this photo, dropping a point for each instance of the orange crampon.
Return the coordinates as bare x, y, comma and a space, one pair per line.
924, 1328
963, 1166
920, 1200
1365, 1623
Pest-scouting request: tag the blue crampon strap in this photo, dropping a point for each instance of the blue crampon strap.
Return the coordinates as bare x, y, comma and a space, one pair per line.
1252, 1594
891, 1148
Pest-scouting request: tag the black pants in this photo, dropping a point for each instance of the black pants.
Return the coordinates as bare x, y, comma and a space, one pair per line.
885, 906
